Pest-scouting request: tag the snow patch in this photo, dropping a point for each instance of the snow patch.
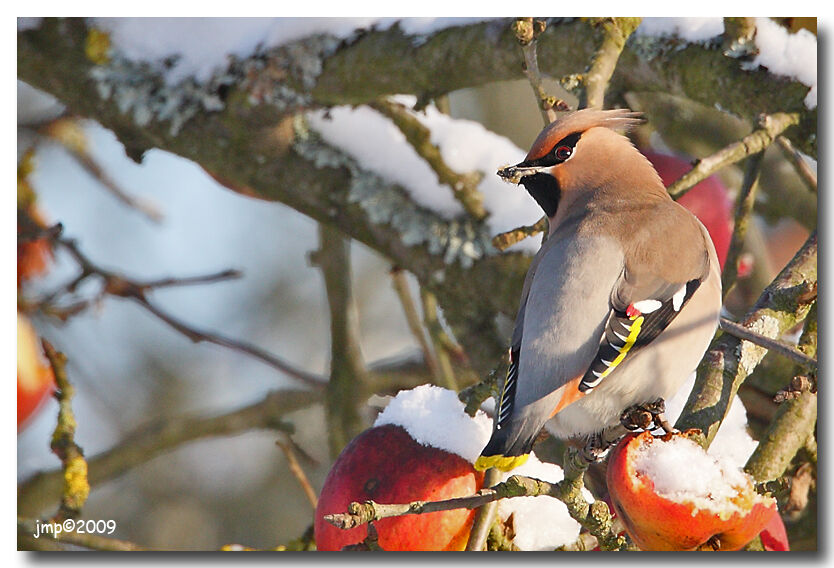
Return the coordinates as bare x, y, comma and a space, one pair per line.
792, 55
465, 145
528, 513
435, 417
691, 29
732, 442
202, 45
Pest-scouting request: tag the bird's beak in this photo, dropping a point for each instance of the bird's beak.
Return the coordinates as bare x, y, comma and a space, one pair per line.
513, 174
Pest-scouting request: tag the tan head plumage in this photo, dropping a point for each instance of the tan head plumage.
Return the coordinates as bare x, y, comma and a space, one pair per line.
580, 121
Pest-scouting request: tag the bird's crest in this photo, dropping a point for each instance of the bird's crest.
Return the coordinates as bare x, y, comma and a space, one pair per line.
580, 121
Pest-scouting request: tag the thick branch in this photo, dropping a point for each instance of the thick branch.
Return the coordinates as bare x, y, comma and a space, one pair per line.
729, 361
615, 32
347, 386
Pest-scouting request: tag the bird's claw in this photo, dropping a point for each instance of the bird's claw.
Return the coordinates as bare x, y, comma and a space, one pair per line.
648, 416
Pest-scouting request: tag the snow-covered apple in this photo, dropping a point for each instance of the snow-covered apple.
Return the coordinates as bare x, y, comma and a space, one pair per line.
386, 465
672, 495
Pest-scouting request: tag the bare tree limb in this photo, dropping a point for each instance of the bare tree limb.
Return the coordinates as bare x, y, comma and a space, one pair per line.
729, 360
123, 287
774, 345
615, 33
43, 489
526, 31
297, 470
771, 127
805, 172
76, 487
744, 209
347, 387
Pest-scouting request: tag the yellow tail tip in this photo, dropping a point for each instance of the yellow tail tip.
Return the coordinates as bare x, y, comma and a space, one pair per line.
504, 463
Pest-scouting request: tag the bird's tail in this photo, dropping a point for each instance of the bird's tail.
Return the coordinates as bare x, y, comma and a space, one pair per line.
509, 446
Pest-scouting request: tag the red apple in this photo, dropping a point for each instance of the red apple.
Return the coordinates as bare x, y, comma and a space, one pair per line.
659, 522
774, 536
708, 200
385, 465
33, 257
34, 375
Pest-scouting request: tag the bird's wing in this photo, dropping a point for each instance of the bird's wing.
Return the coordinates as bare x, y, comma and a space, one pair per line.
652, 290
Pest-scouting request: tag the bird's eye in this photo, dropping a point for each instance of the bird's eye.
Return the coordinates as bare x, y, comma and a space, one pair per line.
562, 153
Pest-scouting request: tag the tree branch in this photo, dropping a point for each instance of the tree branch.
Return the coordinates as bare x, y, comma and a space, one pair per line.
744, 209
774, 345
76, 487
43, 489
347, 387
615, 33
806, 174
770, 128
464, 186
729, 360
121, 286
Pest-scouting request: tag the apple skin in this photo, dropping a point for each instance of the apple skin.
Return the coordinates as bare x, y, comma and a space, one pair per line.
774, 536
34, 375
657, 523
708, 200
385, 465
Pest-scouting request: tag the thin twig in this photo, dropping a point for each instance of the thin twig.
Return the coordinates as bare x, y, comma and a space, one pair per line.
485, 515
76, 487
743, 215
443, 344
771, 126
153, 439
596, 518
526, 32
774, 345
297, 471
615, 33
503, 241
464, 186
399, 280
806, 174
123, 287
70, 135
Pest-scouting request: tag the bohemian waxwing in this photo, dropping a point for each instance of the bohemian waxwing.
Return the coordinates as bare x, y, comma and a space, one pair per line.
622, 299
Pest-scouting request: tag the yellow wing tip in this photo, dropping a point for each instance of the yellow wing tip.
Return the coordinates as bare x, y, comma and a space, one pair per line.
504, 463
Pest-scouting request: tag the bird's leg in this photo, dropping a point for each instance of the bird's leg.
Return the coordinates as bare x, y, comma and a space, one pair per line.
599, 443
646, 416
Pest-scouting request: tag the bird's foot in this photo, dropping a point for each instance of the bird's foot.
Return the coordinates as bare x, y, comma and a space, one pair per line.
647, 416
596, 448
